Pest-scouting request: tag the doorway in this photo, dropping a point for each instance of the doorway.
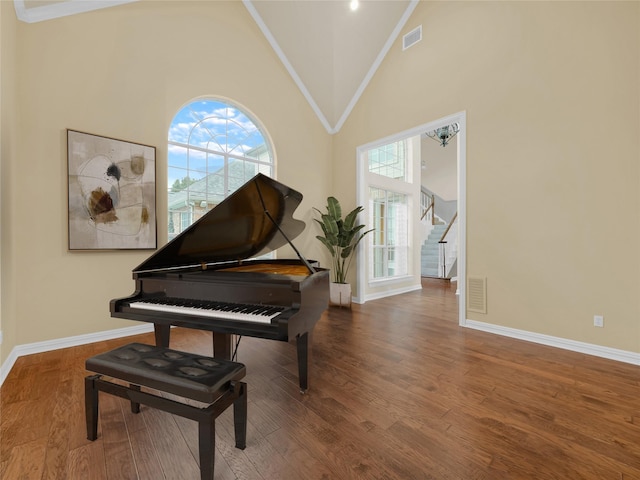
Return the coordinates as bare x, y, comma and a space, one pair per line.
368, 287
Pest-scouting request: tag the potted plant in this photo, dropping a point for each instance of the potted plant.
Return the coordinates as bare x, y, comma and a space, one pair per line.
341, 237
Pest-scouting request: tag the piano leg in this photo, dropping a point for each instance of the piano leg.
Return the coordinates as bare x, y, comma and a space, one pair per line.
302, 343
222, 345
162, 333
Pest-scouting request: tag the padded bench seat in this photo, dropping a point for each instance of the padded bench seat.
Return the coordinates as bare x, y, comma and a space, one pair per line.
211, 381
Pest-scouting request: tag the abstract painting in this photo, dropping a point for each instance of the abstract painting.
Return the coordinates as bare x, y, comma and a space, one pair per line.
112, 193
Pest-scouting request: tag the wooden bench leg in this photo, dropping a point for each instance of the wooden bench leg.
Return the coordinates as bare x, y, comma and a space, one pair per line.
91, 406
207, 446
240, 415
135, 406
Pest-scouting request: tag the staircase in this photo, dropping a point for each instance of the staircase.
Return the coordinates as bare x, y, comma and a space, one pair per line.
430, 252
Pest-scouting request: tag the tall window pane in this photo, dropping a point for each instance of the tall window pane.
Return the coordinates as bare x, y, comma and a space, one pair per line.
390, 248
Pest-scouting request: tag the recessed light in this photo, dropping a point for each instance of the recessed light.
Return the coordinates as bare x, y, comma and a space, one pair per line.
354, 5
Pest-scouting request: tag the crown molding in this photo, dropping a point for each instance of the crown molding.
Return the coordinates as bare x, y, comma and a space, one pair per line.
61, 9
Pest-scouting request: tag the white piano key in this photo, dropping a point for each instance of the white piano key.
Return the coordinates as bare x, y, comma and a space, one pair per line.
206, 312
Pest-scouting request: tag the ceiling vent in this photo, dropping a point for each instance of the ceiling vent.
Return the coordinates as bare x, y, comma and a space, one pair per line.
411, 38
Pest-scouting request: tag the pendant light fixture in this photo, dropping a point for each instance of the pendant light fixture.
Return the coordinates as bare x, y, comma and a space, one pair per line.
444, 134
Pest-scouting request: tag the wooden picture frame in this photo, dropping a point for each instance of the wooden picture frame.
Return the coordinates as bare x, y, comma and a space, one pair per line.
111, 193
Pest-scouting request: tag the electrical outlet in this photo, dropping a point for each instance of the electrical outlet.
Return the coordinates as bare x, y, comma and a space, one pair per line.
0, 337
598, 321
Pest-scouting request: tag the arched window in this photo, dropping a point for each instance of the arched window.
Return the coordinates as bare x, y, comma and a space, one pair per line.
214, 148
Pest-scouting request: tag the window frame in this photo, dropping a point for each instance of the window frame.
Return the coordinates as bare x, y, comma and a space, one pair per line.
201, 153
386, 226
376, 179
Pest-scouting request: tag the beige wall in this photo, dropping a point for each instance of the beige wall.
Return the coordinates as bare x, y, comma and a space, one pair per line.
551, 92
124, 72
552, 201
8, 324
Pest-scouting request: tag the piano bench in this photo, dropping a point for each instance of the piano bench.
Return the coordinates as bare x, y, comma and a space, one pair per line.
210, 381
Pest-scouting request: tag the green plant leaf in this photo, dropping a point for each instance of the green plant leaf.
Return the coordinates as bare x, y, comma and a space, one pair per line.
324, 229
350, 219
327, 244
331, 228
333, 208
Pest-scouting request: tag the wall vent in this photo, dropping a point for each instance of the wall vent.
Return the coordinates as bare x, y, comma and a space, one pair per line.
477, 294
411, 38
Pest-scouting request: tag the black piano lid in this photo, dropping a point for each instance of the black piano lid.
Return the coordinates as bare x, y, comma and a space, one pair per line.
254, 220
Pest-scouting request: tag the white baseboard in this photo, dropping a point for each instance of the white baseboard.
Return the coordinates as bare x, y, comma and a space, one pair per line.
388, 293
38, 347
573, 345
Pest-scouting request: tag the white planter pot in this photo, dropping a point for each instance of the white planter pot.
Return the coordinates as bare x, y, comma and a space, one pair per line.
340, 294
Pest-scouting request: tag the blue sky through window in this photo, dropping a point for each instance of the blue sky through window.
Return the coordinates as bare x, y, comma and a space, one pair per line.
204, 133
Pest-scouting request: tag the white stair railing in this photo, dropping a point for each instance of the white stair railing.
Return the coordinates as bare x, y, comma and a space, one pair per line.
447, 248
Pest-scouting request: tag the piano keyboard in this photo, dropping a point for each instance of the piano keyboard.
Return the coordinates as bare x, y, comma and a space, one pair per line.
222, 310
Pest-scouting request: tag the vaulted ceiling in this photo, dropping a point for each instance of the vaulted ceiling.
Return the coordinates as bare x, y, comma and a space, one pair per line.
330, 51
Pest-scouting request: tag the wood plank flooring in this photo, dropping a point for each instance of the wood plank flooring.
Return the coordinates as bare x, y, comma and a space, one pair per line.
397, 391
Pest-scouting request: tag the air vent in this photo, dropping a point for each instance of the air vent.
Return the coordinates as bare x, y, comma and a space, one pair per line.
477, 294
411, 38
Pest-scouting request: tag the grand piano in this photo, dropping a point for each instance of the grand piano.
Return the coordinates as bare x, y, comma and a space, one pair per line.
207, 277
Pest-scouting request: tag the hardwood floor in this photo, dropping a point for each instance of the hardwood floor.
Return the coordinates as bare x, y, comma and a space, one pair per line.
397, 391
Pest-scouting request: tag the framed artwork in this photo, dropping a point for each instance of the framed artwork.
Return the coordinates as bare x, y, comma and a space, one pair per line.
112, 193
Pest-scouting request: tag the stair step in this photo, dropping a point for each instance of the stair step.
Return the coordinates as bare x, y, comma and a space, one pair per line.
430, 251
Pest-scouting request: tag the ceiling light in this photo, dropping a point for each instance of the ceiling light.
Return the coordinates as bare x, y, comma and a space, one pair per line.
442, 135
353, 5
